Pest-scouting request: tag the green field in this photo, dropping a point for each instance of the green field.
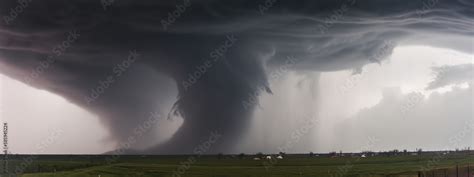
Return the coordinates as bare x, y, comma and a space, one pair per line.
233, 166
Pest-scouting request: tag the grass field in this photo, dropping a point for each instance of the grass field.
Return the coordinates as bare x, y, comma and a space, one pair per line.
211, 166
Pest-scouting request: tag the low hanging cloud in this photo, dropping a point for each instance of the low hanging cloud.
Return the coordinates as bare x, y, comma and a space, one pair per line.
173, 39
440, 120
452, 75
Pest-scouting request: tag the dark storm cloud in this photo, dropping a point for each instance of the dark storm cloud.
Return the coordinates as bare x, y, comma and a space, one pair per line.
174, 38
448, 75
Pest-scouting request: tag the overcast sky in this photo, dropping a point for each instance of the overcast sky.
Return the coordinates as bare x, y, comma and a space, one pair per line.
348, 118
165, 76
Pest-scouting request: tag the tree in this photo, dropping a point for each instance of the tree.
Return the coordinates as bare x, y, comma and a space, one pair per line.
241, 155
419, 151
220, 156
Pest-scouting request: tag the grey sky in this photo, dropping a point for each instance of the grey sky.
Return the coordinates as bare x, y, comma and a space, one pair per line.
133, 64
281, 113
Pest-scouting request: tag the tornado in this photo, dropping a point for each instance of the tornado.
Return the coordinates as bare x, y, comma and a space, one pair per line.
127, 61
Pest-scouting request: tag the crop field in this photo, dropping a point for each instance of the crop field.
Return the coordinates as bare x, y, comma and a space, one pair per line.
427, 164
